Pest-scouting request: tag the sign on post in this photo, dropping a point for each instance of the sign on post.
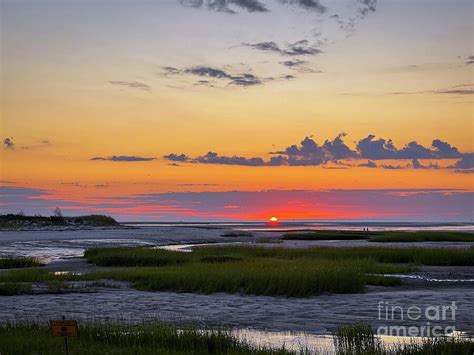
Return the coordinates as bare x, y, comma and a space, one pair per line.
63, 328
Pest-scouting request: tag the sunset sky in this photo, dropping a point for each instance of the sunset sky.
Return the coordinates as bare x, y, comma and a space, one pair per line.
238, 109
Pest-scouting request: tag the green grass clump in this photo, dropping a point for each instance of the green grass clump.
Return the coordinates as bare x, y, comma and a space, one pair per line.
16, 263
423, 236
15, 288
422, 256
250, 270
144, 339
135, 257
255, 270
256, 277
356, 339
381, 236
269, 271
437, 346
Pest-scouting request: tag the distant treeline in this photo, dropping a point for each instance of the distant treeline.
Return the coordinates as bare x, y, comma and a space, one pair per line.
20, 220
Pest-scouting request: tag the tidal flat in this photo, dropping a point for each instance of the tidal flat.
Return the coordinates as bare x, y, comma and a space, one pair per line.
306, 293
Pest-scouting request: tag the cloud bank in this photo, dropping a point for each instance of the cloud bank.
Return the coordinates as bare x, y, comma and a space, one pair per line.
410, 204
310, 153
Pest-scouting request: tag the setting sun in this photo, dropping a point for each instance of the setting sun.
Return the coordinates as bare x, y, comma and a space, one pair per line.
273, 219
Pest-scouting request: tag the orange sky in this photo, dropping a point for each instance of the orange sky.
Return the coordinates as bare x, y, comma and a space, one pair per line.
78, 87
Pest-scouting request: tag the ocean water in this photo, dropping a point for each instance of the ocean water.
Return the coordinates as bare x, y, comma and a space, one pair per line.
356, 225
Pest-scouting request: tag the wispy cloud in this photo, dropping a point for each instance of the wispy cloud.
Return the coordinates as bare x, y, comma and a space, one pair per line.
8, 143
123, 158
132, 84
299, 48
227, 6
312, 5
240, 79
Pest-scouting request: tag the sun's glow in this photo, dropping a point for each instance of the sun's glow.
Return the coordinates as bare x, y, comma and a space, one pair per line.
273, 219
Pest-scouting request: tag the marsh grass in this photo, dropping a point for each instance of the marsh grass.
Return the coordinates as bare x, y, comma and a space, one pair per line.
423, 236
254, 270
256, 277
20, 262
135, 257
356, 339
268, 271
15, 288
249, 270
144, 339
360, 339
381, 236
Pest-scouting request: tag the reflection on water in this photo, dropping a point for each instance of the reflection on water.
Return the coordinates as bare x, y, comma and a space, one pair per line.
314, 343
425, 278
50, 250
187, 248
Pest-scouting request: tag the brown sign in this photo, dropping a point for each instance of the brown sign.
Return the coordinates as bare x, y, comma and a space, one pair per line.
63, 328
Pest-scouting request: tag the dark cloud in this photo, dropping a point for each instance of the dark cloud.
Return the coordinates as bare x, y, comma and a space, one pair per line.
369, 164
313, 5
214, 158
392, 167
298, 48
288, 77
470, 60
204, 83
337, 149
8, 143
176, 157
381, 149
367, 6
171, 70
462, 89
376, 149
415, 164
123, 158
302, 47
293, 63
231, 6
243, 79
226, 5
208, 71
277, 161
309, 153
265, 46
132, 84
466, 162
445, 150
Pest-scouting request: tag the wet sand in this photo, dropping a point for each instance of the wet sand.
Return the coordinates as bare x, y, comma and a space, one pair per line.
317, 315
